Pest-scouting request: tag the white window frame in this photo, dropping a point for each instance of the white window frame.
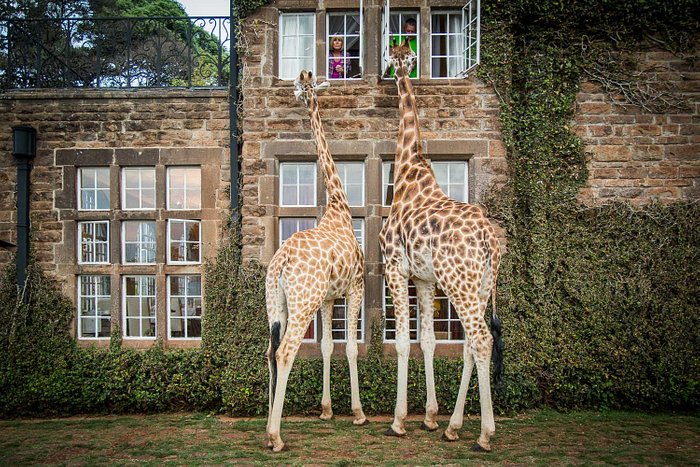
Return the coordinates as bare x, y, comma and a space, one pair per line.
140, 189
169, 188
297, 57
345, 37
471, 33
141, 315
282, 183
93, 242
411, 326
95, 189
448, 188
387, 181
97, 318
450, 54
298, 229
184, 241
342, 172
140, 243
358, 227
386, 36
185, 317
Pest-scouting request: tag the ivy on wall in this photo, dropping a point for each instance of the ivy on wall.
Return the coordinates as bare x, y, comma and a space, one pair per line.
599, 304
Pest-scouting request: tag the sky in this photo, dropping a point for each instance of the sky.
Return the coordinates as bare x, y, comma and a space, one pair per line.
206, 7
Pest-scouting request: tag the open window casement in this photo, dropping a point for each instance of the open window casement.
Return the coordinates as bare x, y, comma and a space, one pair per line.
395, 29
347, 62
471, 35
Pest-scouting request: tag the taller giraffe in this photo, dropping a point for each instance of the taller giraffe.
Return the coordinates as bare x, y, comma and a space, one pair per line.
310, 271
432, 239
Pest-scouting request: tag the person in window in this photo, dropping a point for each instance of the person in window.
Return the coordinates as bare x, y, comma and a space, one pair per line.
410, 28
338, 64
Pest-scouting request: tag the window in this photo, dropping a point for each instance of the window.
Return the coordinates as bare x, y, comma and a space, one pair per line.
185, 298
139, 188
297, 48
397, 27
291, 225
452, 178
93, 183
387, 183
344, 45
446, 322
183, 241
454, 41
358, 226
390, 316
297, 184
139, 306
352, 174
93, 242
139, 239
94, 307
184, 188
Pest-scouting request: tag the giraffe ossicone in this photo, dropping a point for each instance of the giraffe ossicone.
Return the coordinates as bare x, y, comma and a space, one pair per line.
431, 239
309, 272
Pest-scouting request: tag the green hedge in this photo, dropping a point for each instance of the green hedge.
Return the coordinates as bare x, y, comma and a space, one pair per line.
600, 306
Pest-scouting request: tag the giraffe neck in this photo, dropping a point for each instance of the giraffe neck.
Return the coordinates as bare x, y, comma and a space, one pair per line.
337, 200
413, 175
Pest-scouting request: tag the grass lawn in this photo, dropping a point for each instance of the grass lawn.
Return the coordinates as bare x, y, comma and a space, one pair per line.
539, 437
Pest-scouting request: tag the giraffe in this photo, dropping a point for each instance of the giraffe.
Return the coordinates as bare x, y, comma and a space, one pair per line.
310, 270
432, 239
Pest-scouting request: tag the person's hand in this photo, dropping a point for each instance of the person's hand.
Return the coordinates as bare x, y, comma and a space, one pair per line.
339, 68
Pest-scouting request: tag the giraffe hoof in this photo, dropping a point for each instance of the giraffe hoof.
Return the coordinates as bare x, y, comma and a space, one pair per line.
425, 427
280, 448
390, 432
479, 448
360, 423
449, 438
326, 416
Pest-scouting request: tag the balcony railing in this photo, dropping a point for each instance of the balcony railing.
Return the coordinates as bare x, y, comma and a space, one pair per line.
115, 52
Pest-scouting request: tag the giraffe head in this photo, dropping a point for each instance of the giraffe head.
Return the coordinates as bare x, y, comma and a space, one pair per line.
402, 58
305, 86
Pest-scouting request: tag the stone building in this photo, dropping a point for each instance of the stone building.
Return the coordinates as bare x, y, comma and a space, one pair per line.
130, 187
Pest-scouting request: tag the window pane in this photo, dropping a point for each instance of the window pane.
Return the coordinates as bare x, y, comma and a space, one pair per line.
306, 23
102, 200
336, 25
353, 24
87, 178
306, 174
177, 199
102, 175
288, 24
439, 24
439, 45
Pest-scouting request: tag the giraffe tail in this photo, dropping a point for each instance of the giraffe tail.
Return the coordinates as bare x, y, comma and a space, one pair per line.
498, 344
276, 314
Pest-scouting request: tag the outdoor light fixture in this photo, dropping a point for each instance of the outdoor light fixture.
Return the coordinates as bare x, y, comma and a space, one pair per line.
23, 141
24, 149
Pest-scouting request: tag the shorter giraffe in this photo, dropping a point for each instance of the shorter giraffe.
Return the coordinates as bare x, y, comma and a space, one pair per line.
310, 271
432, 239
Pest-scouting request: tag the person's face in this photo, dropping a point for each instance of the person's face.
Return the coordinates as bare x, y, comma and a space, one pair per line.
409, 28
337, 44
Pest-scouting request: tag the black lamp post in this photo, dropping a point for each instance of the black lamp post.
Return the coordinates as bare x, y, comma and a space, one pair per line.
24, 150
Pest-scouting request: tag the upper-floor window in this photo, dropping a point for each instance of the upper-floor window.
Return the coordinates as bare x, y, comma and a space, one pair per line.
452, 178
139, 188
297, 184
184, 243
352, 174
184, 188
93, 188
399, 26
344, 45
93, 242
297, 44
139, 242
454, 41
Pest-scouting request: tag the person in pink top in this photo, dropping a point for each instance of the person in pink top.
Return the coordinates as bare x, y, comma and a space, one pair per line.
338, 65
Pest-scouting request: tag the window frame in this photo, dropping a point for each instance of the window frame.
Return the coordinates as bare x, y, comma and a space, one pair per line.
96, 317
141, 316
341, 166
387, 181
461, 51
169, 187
79, 236
448, 163
184, 318
140, 189
96, 189
386, 293
282, 179
386, 37
280, 37
345, 14
186, 242
138, 242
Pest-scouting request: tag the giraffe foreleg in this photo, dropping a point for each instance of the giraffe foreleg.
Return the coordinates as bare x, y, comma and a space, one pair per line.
354, 299
398, 285
426, 300
326, 351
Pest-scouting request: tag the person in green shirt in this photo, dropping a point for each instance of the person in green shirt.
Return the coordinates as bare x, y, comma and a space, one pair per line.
410, 28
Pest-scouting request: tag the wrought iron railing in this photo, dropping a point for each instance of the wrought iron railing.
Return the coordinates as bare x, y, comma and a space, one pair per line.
115, 52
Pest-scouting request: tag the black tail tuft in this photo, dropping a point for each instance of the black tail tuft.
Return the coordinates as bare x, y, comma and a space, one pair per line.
274, 345
497, 353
